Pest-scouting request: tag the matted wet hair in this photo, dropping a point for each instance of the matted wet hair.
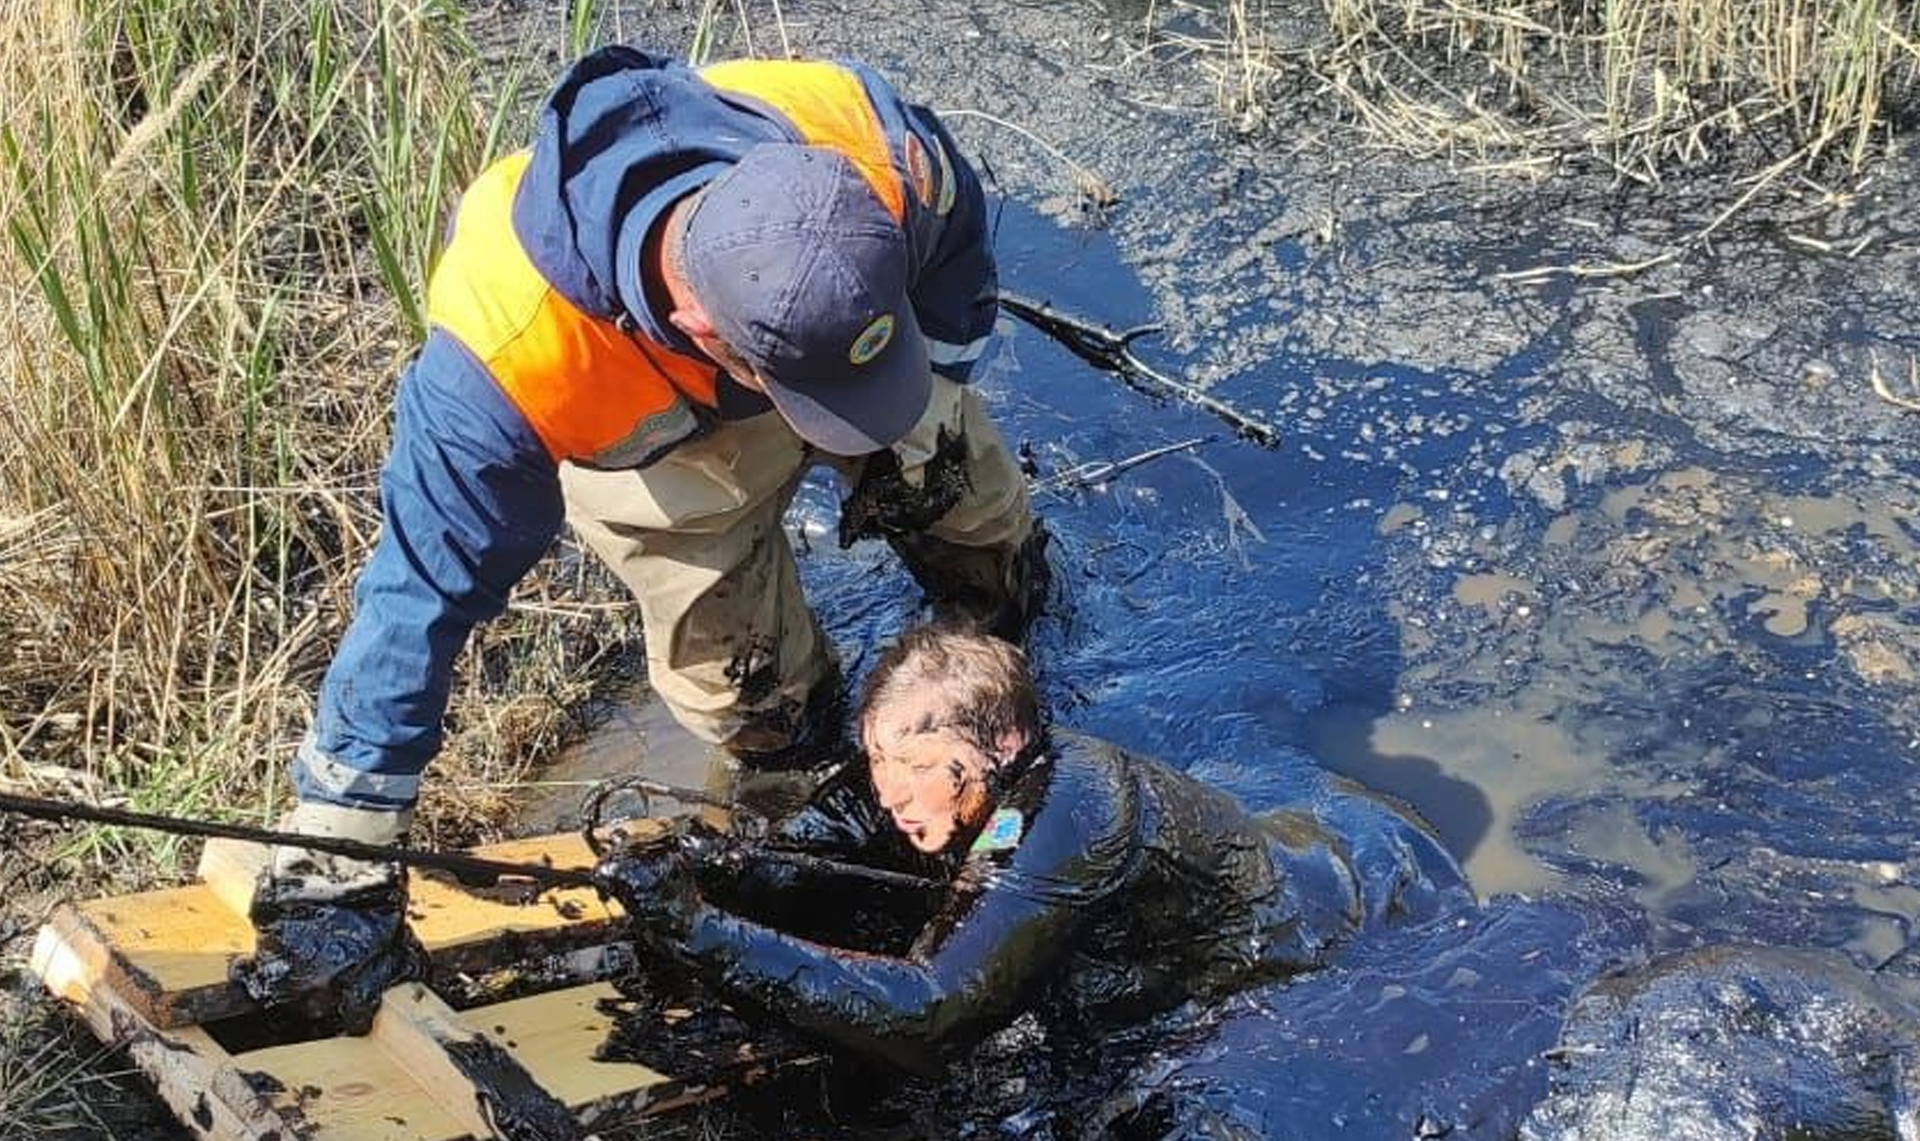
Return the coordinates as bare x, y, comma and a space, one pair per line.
986, 678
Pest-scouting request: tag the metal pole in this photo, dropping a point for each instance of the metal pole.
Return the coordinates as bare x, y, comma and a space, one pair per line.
471, 868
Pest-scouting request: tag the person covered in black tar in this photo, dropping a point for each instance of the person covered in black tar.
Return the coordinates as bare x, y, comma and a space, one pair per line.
1077, 881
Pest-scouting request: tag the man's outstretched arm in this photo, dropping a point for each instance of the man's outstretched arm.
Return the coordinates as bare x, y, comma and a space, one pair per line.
470, 501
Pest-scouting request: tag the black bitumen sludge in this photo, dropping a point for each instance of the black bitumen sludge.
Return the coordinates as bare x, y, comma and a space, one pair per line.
1736, 1044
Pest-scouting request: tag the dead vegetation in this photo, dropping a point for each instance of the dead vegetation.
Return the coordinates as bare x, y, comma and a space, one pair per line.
1646, 87
217, 220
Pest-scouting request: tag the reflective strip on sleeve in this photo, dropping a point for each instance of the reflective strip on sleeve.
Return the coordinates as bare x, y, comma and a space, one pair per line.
941, 352
321, 776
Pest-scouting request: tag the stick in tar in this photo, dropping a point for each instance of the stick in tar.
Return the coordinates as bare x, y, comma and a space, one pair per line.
1113, 352
470, 869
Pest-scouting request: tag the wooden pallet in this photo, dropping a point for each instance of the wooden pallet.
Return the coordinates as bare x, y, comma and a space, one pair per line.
149, 972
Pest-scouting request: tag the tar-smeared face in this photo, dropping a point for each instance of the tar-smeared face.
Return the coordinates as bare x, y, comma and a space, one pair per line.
926, 774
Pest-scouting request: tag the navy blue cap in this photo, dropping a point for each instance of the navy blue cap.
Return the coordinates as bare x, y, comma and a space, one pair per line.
804, 273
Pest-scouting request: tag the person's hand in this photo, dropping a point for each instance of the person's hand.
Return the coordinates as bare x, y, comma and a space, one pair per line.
330, 932
891, 500
655, 886
713, 855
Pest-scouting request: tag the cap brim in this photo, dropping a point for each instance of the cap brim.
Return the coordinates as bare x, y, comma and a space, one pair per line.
867, 407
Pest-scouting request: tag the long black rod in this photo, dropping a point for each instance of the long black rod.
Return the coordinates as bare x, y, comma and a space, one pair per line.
467, 868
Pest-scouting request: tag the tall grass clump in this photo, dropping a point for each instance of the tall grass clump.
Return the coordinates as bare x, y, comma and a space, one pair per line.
216, 220
1647, 86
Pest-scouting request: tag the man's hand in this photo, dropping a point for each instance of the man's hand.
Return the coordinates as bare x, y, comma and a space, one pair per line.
890, 500
331, 932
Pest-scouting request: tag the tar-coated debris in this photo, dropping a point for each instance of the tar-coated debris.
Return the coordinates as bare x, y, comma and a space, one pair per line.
514, 1105
202, 1112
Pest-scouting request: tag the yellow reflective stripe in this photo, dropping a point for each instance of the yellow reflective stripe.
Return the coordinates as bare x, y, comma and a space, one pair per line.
828, 105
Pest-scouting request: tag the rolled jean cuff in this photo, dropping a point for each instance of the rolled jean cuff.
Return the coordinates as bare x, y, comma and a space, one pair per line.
323, 779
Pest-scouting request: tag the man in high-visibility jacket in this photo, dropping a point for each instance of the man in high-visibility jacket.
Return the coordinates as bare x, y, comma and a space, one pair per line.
695, 285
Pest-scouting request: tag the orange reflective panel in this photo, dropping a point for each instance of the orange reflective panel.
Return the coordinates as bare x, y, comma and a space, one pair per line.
828, 105
582, 384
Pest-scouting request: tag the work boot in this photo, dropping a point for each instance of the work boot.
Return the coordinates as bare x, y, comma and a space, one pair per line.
770, 768
331, 931
992, 590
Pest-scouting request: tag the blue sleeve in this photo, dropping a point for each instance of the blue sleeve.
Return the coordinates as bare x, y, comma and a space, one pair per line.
470, 501
955, 286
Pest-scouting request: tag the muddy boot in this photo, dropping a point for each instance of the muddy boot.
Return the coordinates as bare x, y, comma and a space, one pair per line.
771, 767
996, 590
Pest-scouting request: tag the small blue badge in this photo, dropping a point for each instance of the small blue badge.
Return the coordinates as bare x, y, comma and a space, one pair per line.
1002, 832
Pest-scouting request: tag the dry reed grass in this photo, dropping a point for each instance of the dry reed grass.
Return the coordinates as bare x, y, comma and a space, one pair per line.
216, 220
1646, 86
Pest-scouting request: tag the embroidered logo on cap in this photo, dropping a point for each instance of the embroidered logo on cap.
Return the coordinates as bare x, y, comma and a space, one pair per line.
1002, 832
872, 339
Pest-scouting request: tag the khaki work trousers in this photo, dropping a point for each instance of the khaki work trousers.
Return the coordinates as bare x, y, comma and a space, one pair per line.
732, 647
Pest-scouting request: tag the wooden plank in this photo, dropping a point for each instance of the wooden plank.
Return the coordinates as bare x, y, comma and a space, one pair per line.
556, 1036
363, 1089
348, 1089
120, 960
190, 1071
167, 952
468, 1074
164, 953
465, 930
230, 868
357, 1089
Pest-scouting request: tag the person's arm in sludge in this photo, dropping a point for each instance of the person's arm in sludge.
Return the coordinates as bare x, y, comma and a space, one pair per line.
968, 974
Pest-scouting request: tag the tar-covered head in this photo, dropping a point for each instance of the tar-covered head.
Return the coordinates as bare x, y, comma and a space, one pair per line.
944, 713
800, 272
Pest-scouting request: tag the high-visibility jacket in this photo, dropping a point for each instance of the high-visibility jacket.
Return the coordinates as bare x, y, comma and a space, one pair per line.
548, 345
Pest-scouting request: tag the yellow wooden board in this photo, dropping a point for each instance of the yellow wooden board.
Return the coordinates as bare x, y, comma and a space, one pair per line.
369, 1089
146, 970
348, 1089
189, 1070
387, 1086
167, 952
555, 1036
